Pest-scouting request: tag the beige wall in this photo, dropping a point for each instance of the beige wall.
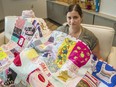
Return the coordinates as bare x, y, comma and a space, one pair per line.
1, 11
15, 7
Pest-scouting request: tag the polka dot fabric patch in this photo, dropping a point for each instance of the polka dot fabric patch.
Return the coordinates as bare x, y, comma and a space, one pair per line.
80, 54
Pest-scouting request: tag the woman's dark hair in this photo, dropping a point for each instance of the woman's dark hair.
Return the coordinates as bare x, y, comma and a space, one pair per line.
75, 7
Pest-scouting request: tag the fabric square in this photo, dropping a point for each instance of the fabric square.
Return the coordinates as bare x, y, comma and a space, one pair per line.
3, 55
64, 51
88, 81
17, 61
105, 73
20, 23
80, 54
36, 24
29, 31
36, 43
68, 71
48, 58
21, 41
15, 39
15, 52
10, 77
38, 79
16, 32
51, 39
31, 53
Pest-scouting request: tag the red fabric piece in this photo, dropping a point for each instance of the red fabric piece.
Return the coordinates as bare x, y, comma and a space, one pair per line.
16, 53
17, 61
21, 41
31, 73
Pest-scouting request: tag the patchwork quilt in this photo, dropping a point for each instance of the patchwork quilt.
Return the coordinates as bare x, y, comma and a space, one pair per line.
38, 57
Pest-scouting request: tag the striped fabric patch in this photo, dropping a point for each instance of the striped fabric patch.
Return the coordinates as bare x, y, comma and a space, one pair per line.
88, 81
37, 26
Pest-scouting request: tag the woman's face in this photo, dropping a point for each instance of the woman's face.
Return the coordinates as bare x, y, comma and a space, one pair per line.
74, 19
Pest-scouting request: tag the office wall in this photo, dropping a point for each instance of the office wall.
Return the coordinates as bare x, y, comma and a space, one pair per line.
108, 7
1, 11
15, 7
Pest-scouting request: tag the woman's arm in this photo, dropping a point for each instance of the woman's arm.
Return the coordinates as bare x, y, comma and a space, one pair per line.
96, 51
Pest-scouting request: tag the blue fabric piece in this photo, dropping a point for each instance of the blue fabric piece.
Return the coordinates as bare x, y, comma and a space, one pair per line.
105, 73
3, 75
15, 39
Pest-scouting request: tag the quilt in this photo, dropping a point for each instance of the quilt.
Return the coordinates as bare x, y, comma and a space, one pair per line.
38, 57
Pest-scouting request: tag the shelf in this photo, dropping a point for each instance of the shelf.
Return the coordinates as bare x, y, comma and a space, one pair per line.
88, 11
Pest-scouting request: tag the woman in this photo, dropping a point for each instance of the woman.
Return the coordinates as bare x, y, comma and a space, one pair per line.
74, 28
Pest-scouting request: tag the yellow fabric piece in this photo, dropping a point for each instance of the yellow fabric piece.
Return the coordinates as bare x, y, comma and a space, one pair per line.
3, 55
42, 46
67, 45
72, 44
31, 53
